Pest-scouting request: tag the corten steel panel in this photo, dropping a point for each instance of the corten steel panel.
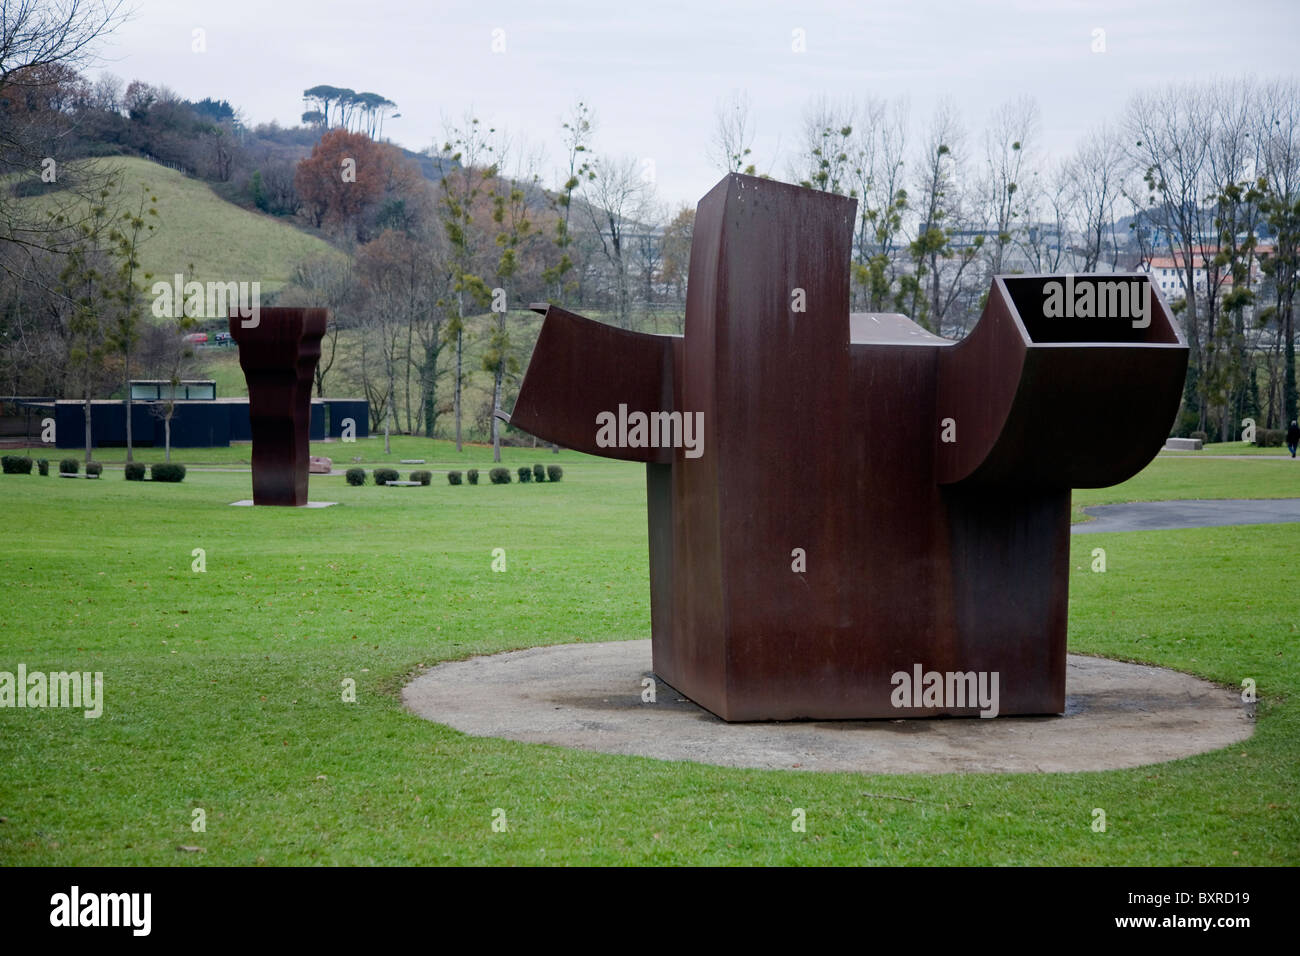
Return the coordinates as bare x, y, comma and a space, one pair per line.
279, 356
823, 433
597, 367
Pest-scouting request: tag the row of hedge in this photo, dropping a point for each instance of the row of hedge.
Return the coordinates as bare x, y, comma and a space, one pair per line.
22, 465
498, 476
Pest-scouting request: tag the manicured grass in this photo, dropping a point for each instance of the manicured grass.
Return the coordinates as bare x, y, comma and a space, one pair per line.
223, 689
438, 453
1232, 448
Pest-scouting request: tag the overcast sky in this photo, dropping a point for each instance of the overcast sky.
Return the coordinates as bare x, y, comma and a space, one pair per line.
653, 72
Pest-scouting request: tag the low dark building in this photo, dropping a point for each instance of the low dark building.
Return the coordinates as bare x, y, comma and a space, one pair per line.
202, 423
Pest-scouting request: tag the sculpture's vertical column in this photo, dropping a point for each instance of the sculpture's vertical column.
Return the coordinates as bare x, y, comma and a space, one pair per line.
278, 351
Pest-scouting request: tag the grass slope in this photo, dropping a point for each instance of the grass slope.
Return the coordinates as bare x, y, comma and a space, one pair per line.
222, 240
223, 690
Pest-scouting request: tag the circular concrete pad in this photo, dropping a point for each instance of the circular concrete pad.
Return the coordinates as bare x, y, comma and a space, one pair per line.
589, 696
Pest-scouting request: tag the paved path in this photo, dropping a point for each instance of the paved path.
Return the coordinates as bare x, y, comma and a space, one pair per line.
1161, 515
1197, 454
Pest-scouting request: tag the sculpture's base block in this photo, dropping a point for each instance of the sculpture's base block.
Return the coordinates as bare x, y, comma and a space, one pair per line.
588, 696
248, 503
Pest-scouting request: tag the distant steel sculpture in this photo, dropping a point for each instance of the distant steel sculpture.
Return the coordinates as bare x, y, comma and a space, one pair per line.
851, 517
278, 350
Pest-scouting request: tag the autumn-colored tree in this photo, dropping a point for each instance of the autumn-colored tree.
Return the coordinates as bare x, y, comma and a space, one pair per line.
344, 176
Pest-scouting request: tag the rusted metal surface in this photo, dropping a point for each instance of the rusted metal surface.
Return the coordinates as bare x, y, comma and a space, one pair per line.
278, 355
825, 537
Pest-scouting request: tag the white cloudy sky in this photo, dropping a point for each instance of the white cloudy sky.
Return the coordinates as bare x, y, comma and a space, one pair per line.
653, 71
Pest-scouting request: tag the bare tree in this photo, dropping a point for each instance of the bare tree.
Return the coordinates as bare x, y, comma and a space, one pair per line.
577, 128
1280, 119
1168, 134
43, 43
877, 152
733, 135
1008, 181
619, 200
1044, 242
825, 158
169, 357
943, 246
466, 163
1097, 171
324, 282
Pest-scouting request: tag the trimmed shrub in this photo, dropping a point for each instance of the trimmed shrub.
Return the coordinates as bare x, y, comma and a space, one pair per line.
499, 476
1201, 435
1269, 437
94, 468
453, 477
472, 476
525, 475
134, 471
69, 466
423, 477
554, 472
355, 476
43, 465
539, 472
16, 465
384, 475
167, 471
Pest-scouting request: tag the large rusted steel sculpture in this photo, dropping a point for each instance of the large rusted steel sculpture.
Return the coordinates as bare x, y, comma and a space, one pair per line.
278, 350
877, 519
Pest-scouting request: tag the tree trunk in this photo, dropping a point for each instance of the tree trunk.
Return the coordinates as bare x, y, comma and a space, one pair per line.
429, 385
86, 411
167, 437
460, 335
410, 341
1288, 371
388, 419
496, 405
126, 381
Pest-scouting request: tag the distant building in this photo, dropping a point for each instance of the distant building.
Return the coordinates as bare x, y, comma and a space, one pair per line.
200, 419
1170, 273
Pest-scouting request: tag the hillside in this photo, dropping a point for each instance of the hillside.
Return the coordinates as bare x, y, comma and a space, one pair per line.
224, 242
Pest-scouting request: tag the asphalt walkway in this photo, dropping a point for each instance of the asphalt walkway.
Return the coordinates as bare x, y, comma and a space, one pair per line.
1162, 515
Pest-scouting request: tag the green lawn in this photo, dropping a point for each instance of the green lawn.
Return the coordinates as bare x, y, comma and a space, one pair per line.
1231, 448
223, 688
439, 454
